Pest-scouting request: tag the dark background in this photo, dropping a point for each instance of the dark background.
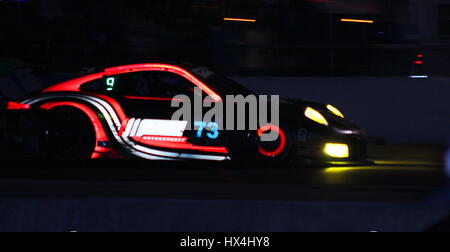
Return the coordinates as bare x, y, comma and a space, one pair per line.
291, 50
363, 69
290, 37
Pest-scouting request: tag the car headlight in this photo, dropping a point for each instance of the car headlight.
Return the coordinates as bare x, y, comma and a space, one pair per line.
315, 116
337, 150
335, 111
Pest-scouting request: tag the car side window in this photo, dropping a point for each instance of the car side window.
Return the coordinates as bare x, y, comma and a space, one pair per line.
143, 84
96, 86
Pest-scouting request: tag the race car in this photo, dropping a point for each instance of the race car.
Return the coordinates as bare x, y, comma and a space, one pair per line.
126, 112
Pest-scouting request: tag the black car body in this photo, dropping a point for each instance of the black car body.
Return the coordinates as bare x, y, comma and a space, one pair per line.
103, 116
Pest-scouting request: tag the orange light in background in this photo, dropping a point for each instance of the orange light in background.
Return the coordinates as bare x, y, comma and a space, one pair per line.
357, 21
240, 20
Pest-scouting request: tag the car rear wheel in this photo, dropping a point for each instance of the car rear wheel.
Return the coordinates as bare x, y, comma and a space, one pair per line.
68, 135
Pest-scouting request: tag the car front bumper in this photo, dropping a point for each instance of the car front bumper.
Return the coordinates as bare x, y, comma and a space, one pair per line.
312, 149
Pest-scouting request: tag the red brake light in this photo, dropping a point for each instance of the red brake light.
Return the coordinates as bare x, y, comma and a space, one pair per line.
17, 106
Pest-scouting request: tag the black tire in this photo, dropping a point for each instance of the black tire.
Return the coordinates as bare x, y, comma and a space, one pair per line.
68, 135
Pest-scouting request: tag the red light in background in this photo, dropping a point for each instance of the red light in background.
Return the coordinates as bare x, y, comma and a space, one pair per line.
419, 60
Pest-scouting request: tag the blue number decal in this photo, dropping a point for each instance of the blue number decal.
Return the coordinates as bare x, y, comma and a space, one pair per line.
201, 126
214, 130
212, 126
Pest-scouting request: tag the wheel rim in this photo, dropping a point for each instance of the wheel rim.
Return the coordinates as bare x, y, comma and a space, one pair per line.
275, 148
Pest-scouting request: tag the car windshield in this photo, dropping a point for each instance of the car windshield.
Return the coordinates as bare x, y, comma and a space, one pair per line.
219, 82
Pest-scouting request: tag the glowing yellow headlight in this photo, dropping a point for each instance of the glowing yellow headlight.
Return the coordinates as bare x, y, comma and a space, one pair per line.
335, 111
316, 116
337, 150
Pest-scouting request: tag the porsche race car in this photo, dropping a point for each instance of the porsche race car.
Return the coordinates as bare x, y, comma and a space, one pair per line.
126, 112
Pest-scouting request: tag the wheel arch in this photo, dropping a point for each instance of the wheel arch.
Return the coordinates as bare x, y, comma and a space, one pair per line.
100, 133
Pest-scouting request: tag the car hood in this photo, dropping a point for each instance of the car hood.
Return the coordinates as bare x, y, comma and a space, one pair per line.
341, 124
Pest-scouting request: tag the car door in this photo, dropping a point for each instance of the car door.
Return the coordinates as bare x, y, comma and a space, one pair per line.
146, 98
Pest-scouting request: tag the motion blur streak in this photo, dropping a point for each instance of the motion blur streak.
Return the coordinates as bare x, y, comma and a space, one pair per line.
358, 21
240, 20
341, 170
407, 163
419, 76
